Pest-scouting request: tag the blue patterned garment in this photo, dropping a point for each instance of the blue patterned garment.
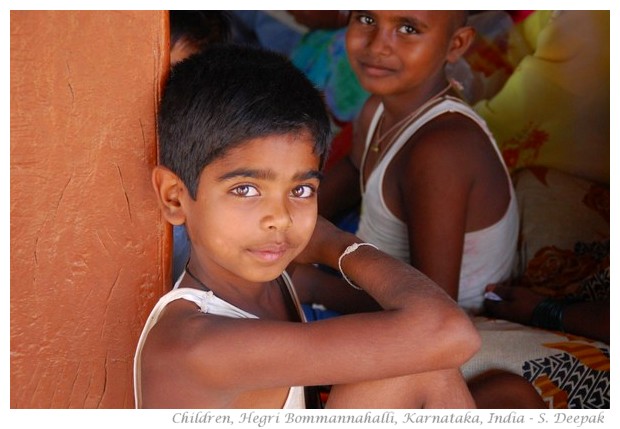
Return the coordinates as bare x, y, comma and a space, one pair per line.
322, 56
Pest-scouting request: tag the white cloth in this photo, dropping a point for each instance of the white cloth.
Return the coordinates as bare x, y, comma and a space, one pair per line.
209, 304
489, 254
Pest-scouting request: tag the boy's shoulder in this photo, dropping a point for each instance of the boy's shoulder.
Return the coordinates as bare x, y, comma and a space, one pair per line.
451, 148
453, 127
185, 335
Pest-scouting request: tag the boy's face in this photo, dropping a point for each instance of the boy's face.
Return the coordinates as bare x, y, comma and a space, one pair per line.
256, 208
395, 51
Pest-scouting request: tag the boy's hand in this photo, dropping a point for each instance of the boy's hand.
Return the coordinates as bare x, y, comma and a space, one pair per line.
517, 303
327, 242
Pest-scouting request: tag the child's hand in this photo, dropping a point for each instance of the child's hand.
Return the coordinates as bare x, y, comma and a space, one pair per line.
517, 303
327, 243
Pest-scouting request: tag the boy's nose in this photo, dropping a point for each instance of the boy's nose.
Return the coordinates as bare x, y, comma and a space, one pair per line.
379, 43
278, 216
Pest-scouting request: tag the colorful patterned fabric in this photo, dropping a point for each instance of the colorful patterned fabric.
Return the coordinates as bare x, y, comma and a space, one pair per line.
554, 108
322, 56
567, 371
564, 239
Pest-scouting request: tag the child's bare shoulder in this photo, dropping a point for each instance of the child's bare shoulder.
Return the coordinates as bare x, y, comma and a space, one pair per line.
192, 347
449, 143
179, 325
453, 132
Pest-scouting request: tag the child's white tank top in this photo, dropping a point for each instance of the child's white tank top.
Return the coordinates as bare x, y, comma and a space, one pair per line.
489, 254
208, 303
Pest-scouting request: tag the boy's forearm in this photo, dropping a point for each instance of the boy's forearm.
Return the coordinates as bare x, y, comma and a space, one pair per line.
392, 283
436, 316
425, 311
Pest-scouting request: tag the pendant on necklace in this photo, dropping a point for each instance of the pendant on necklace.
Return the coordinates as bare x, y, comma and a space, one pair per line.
374, 148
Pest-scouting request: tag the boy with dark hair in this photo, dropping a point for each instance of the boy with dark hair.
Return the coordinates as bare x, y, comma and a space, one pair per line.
243, 136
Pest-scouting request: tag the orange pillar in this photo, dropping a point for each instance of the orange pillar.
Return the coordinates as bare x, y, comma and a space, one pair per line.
89, 250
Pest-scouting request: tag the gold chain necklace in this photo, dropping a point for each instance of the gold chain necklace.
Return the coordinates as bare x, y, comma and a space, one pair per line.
400, 125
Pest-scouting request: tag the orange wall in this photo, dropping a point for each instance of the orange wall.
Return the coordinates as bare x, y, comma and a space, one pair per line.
89, 251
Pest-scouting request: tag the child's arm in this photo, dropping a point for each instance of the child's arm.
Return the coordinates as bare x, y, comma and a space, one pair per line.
396, 287
518, 303
435, 195
421, 330
448, 182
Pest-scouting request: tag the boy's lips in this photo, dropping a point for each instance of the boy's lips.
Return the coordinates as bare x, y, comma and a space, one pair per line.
270, 252
375, 70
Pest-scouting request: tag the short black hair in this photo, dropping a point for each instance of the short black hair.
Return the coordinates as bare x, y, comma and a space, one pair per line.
227, 95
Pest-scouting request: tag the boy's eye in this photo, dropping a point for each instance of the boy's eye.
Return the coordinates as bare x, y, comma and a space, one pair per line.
303, 191
245, 191
407, 29
365, 19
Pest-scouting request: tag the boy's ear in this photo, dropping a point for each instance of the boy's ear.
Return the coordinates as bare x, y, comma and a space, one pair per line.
168, 188
462, 39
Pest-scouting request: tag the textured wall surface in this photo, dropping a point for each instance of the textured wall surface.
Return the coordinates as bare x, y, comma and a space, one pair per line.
89, 250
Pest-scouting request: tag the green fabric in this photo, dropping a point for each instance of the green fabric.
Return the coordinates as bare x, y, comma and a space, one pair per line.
321, 54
